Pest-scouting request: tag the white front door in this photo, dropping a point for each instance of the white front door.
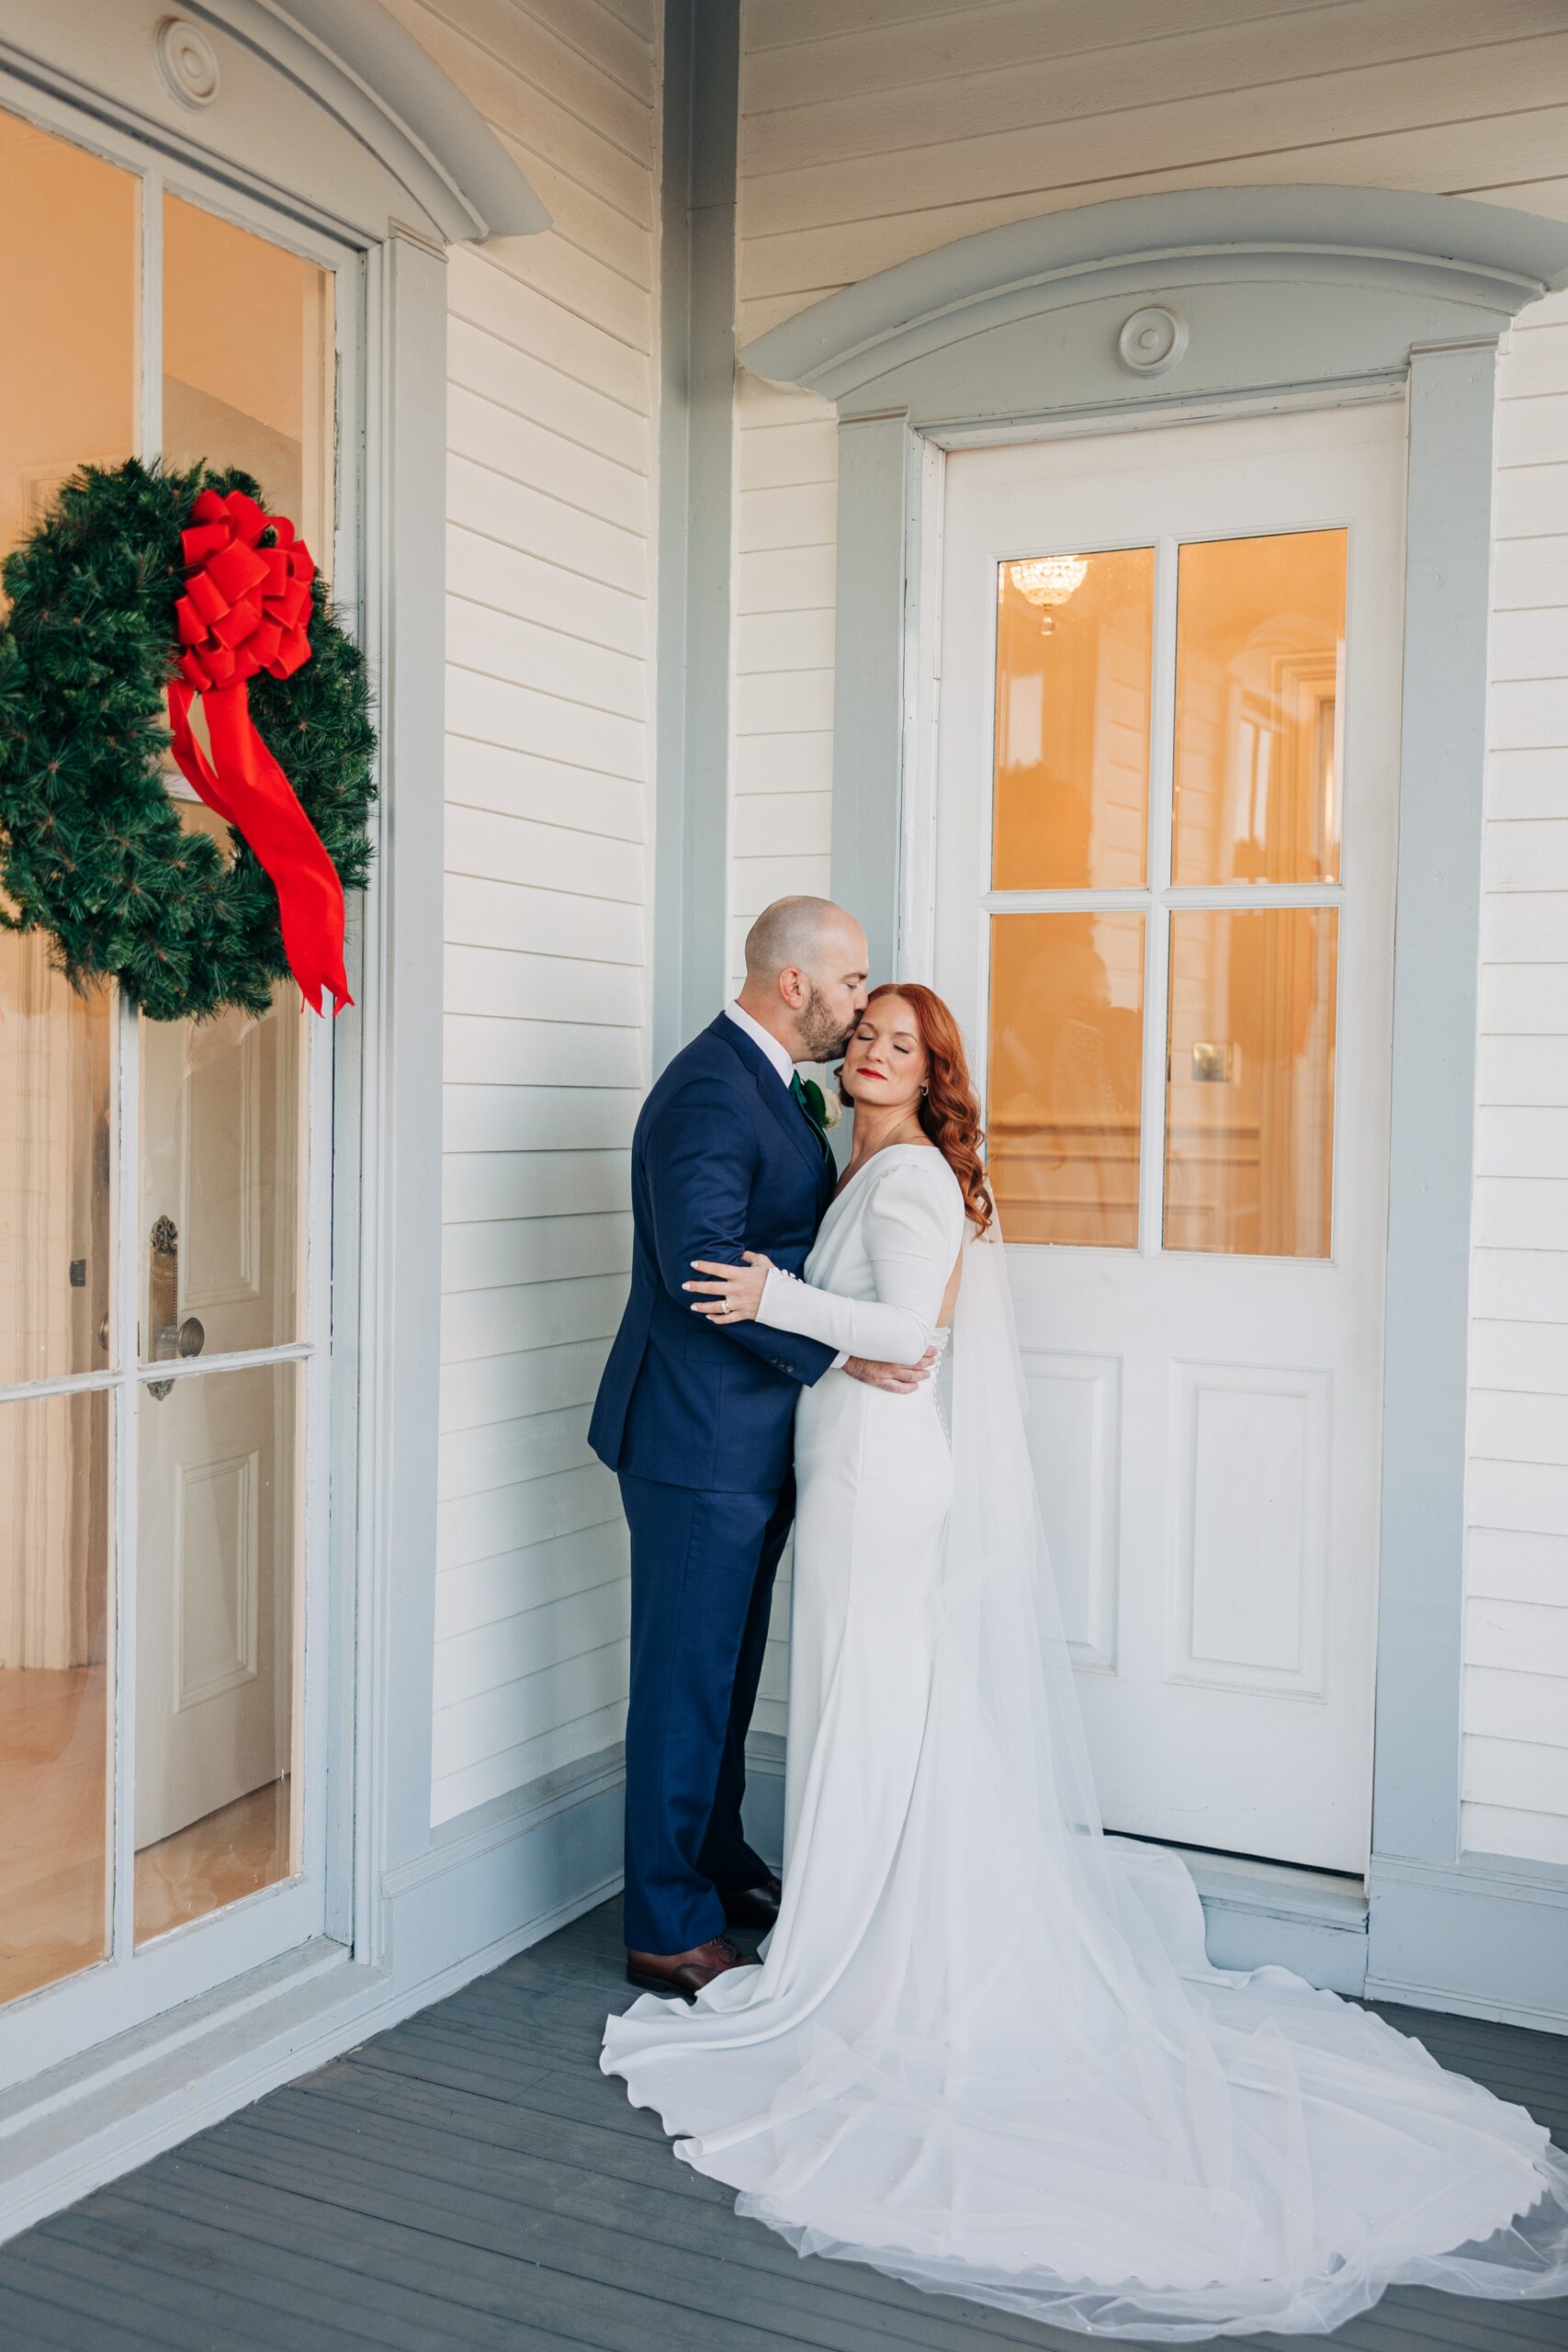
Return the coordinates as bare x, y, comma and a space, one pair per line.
1165, 829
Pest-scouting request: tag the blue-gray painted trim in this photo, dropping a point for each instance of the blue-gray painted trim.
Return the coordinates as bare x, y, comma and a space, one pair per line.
1432, 1116
1442, 252
876, 556
355, 58
395, 1665
1287, 292
1489, 1942
696, 465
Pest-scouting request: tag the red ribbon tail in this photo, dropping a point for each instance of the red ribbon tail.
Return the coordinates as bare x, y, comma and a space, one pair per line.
245, 785
188, 756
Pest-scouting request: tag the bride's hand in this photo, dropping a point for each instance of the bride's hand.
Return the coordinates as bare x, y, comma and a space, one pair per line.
735, 1292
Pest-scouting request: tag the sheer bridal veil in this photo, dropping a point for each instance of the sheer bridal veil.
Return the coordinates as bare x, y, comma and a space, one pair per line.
1058, 2107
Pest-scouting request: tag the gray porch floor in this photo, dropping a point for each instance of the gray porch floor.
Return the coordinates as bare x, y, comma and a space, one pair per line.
469, 2179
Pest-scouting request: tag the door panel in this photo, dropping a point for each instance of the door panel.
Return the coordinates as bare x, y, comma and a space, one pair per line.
1165, 836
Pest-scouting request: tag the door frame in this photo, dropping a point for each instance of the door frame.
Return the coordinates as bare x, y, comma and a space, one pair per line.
1170, 308
354, 143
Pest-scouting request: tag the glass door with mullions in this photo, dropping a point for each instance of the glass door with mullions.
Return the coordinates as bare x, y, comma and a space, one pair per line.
163, 1205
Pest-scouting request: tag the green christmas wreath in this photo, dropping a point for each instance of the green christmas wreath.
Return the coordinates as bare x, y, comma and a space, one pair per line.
140, 584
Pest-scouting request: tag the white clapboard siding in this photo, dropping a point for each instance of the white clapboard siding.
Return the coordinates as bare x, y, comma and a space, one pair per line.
551, 513
782, 708
1516, 1701
875, 130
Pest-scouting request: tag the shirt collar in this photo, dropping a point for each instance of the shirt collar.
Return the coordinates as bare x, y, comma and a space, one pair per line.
777, 1054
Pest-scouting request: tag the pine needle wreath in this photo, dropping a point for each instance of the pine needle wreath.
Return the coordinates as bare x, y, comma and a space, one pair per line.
92, 847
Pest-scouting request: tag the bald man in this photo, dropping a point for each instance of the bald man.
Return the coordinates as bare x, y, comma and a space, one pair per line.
696, 1420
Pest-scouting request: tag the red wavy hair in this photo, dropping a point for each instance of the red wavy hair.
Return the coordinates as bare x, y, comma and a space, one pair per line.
949, 1109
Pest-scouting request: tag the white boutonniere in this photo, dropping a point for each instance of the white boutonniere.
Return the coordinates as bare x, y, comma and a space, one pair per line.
826, 1109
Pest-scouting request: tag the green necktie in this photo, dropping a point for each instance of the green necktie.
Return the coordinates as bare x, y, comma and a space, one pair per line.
800, 1095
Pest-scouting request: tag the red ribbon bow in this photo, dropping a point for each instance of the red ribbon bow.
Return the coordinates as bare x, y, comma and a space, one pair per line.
246, 608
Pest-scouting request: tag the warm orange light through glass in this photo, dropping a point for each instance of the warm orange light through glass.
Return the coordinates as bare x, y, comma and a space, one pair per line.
55, 1687
1260, 664
70, 279
1074, 639
1065, 1061
1250, 1103
248, 364
56, 1153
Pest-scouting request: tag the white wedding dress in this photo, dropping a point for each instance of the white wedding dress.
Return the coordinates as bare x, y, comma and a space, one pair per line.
985, 2052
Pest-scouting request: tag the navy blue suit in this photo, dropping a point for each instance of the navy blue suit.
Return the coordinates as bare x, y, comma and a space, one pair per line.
697, 1421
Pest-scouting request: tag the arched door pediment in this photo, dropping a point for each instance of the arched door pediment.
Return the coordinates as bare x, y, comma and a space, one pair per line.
1247, 288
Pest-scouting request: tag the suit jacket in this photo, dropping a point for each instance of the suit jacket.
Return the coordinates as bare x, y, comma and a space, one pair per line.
722, 1162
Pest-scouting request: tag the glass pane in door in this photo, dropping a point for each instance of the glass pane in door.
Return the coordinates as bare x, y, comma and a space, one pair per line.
1249, 1103
56, 1051
1260, 664
69, 396
68, 393
55, 1688
1075, 634
223, 1178
248, 364
218, 1651
1065, 1094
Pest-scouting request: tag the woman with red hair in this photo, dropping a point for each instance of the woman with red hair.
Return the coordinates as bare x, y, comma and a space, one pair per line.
985, 2050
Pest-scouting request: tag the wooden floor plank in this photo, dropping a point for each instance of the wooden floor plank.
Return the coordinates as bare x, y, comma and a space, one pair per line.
590, 2227
470, 2182
478, 2286
186, 2307
176, 2230
30, 2323
624, 2299
387, 2288
567, 2168
115, 2311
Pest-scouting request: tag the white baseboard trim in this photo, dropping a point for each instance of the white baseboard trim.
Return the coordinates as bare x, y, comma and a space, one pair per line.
499, 1880
1483, 1937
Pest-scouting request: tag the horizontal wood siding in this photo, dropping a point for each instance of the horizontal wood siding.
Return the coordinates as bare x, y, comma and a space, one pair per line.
782, 750
874, 130
548, 799
1516, 1698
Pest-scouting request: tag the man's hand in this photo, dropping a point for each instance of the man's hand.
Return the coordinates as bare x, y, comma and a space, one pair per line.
900, 1379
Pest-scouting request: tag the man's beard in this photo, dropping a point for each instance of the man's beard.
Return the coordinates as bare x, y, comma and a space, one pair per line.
822, 1033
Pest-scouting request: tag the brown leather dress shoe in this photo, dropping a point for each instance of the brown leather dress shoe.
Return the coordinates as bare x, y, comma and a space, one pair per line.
684, 1972
753, 1906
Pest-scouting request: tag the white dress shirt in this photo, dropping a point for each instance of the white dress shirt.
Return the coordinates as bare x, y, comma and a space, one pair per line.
778, 1055
782, 1061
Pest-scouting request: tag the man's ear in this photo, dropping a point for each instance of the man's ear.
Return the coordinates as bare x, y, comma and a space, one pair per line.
794, 986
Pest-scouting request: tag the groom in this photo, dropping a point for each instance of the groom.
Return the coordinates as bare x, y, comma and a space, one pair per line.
696, 1420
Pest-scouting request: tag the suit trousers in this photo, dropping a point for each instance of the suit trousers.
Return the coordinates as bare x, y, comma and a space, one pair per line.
702, 1574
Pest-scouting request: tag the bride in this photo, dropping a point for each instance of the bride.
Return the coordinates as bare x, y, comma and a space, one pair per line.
984, 2051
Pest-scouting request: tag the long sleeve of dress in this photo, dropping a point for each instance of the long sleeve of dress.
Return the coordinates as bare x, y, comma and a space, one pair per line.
913, 1223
